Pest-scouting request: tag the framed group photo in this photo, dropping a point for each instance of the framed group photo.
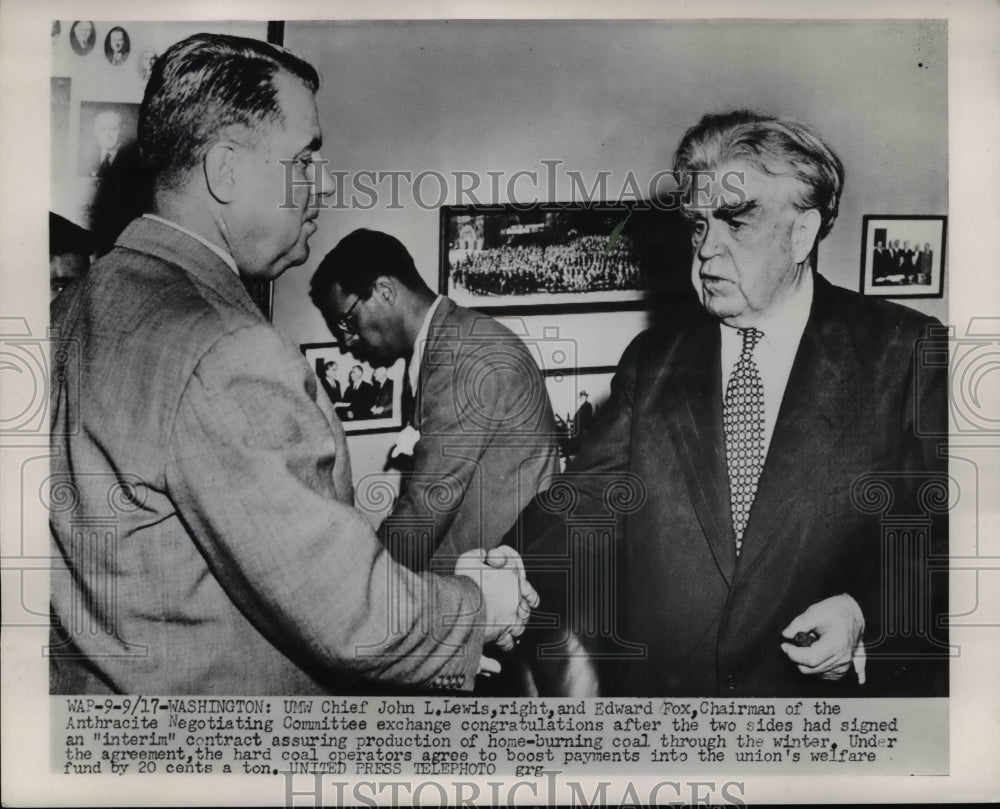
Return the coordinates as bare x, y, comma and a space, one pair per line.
564, 257
903, 256
367, 399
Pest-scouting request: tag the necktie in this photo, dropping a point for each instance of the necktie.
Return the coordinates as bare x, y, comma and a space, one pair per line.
743, 422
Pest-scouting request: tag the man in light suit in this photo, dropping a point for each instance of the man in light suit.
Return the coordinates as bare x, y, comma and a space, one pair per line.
761, 447
487, 434
202, 524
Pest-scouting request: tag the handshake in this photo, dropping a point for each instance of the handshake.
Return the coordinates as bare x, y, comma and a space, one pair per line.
507, 596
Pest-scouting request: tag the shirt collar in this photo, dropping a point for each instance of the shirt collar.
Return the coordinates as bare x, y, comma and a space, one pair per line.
421, 342
784, 325
226, 257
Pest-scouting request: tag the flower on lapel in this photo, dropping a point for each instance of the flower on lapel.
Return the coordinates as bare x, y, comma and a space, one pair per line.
405, 442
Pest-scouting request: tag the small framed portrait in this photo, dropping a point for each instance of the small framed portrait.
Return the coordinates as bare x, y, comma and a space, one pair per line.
144, 64
903, 256
577, 396
550, 257
82, 37
117, 46
107, 133
367, 399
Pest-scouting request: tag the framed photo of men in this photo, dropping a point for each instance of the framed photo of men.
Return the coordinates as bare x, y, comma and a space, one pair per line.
560, 256
367, 399
903, 256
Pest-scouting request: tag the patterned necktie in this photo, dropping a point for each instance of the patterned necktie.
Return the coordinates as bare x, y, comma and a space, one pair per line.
743, 422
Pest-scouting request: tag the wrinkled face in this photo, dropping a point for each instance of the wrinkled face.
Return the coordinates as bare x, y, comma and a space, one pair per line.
367, 326
746, 251
273, 213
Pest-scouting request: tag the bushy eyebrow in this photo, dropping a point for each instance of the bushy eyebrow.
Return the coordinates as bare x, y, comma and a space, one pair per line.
724, 213
729, 212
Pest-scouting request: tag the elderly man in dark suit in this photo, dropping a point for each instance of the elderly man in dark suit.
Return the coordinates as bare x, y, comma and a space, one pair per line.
203, 536
734, 486
487, 434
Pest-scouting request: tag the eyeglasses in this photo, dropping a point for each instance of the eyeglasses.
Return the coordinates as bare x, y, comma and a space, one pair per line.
345, 323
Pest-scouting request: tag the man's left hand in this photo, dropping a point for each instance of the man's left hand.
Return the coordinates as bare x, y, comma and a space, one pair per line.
839, 625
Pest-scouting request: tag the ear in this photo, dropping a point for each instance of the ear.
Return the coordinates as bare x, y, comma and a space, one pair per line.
804, 231
386, 289
220, 171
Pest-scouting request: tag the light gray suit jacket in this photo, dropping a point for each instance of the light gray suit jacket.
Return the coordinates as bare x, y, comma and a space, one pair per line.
203, 533
487, 441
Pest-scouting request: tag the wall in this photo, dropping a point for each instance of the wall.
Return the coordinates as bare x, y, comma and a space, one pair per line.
482, 96
83, 84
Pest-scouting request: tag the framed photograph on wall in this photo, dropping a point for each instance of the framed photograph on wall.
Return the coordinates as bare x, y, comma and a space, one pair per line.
577, 395
367, 399
903, 256
560, 256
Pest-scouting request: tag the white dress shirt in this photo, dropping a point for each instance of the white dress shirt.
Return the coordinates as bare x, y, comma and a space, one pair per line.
775, 353
225, 256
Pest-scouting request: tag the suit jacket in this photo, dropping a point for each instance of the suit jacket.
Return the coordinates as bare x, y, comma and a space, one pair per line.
487, 441
382, 397
841, 507
358, 401
332, 390
203, 534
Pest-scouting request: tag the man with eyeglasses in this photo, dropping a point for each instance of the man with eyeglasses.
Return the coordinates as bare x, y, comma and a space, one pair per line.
487, 434
204, 539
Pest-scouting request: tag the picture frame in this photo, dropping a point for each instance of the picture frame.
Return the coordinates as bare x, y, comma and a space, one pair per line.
577, 396
368, 411
891, 267
545, 257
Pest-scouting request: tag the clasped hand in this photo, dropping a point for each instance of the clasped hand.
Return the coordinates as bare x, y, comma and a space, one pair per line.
507, 595
838, 625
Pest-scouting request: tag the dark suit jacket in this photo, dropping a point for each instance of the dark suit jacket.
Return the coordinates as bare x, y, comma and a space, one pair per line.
647, 500
382, 397
358, 400
332, 391
487, 441
203, 534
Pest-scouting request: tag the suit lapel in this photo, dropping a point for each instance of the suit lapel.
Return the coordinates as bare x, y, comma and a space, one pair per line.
815, 410
436, 332
690, 387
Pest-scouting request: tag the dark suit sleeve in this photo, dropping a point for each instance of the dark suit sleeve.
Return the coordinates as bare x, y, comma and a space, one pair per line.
903, 599
587, 489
